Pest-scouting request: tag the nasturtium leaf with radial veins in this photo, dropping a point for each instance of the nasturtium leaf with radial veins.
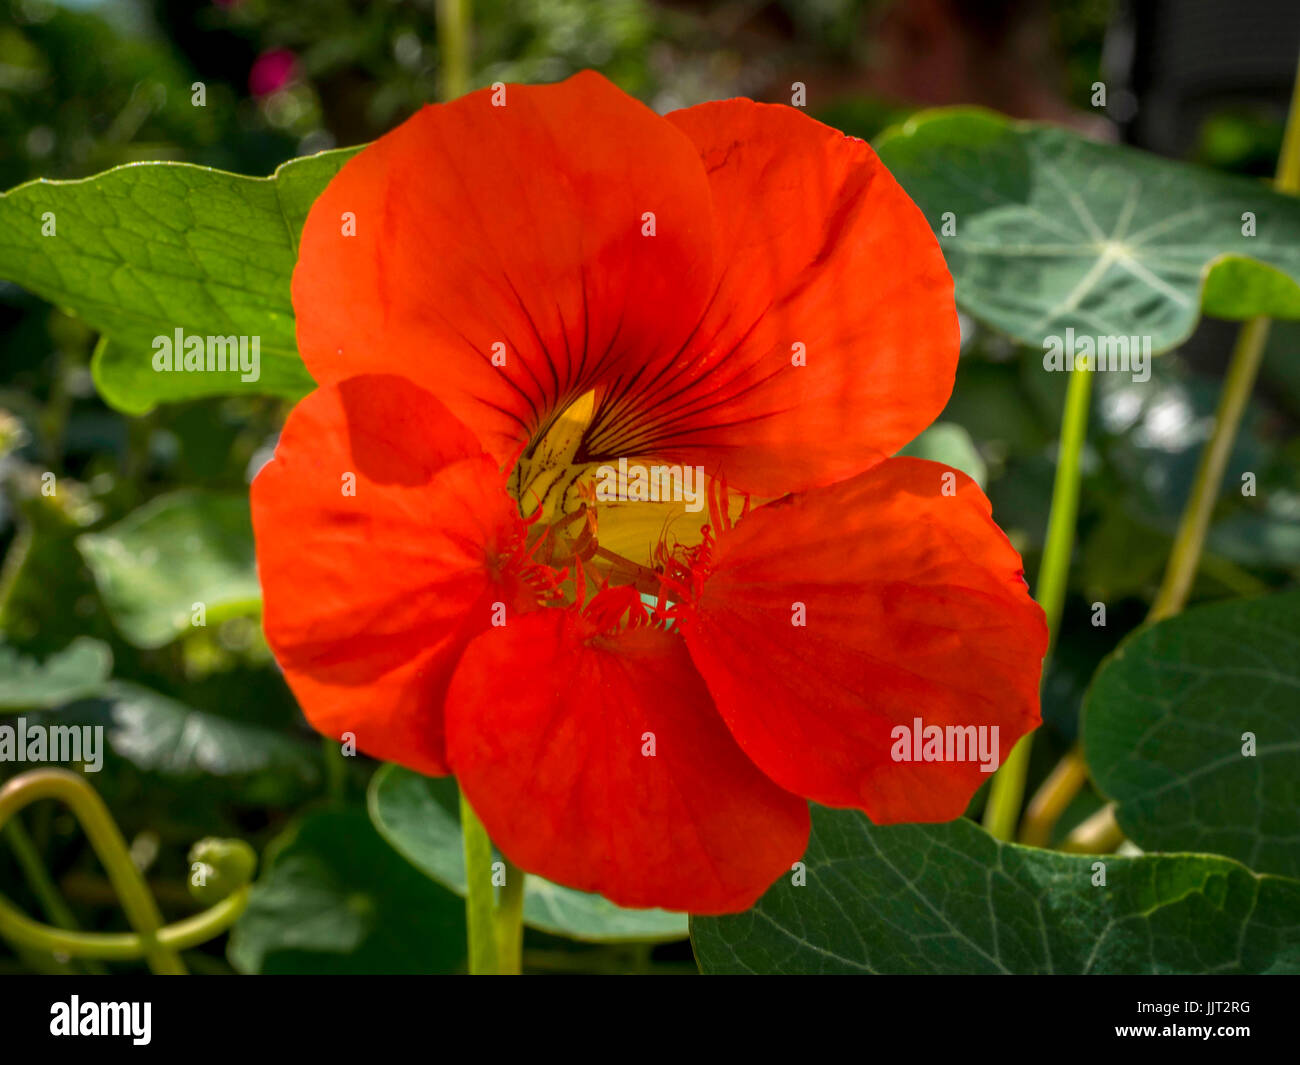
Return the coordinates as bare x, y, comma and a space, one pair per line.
1046, 230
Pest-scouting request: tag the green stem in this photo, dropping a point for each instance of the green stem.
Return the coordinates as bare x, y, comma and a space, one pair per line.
479, 892
453, 47
1054, 570
495, 922
1052, 799
1238, 383
113, 852
123, 946
38, 880
1007, 791
189, 933
1185, 556
1237, 580
29, 861
509, 921
336, 769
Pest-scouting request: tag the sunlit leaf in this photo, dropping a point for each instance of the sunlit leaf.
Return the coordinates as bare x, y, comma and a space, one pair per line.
145, 249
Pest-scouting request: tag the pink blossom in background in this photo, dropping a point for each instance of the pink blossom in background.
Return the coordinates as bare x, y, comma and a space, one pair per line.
271, 71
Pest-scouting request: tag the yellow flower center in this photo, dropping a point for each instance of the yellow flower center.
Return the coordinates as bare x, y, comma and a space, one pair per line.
620, 518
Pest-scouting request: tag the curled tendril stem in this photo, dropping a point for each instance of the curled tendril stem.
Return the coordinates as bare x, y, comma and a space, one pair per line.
159, 945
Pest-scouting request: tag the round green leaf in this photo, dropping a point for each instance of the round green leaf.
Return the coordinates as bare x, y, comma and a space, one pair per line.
1170, 715
1045, 230
951, 899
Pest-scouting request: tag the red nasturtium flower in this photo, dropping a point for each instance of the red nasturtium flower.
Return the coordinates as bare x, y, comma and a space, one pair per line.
496, 301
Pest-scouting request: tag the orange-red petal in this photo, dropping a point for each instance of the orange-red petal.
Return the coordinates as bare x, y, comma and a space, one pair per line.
913, 606
547, 729
523, 225
820, 255
381, 527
